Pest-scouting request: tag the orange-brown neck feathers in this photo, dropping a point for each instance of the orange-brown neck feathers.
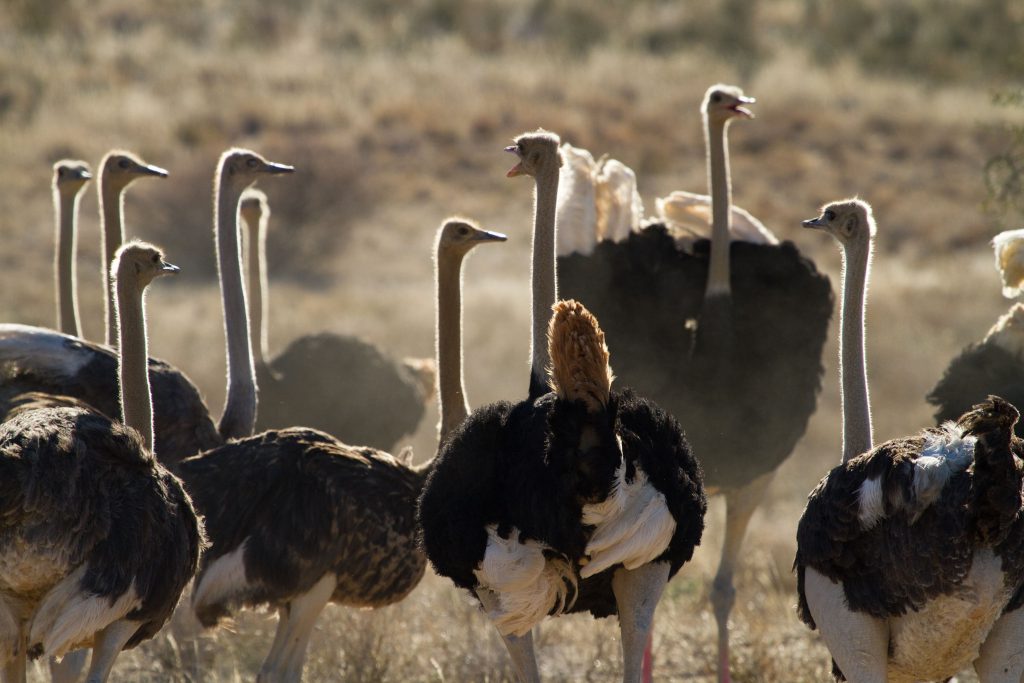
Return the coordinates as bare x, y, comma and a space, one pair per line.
579, 356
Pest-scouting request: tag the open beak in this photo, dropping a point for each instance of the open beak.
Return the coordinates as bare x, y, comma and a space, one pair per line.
84, 175
743, 111
169, 268
488, 236
518, 168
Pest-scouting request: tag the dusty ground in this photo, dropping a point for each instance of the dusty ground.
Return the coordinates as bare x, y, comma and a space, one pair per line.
395, 123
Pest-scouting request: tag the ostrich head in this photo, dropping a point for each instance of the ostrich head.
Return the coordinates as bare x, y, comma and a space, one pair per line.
253, 205
723, 103
243, 167
459, 235
70, 175
142, 263
537, 151
119, 168
849, 221
992, 415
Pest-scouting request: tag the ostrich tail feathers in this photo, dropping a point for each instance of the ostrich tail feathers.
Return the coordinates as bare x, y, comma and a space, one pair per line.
579, 356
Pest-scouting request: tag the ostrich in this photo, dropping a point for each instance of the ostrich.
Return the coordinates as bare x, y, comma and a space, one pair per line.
298, 519
118, 169
909, 557
996, 363
98, 539
727, 336
45, 362
577, 500
69, 179
381, 401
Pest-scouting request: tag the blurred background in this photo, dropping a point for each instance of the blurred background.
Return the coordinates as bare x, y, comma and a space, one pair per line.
395, 115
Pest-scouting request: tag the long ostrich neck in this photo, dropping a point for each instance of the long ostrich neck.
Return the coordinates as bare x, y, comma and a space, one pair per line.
111, 235
715, 134
133, 374
853, 372
545, 285
67, 237
452, 396
258, 291
239, 418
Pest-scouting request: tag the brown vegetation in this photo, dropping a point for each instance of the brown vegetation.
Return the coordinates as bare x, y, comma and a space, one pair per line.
395, 115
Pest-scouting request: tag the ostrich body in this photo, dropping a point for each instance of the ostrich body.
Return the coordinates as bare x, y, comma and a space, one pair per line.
995, 365
746, 381
298, 519
69, 179
381, 400
909, 557
118, 169
97, 539
578, 500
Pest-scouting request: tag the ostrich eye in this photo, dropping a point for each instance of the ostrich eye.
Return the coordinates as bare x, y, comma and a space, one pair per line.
830, 215
463, 231
156, 258
716, 97
123, 163
250, 162
61, 172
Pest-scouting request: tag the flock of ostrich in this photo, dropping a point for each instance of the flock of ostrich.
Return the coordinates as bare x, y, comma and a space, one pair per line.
118, 490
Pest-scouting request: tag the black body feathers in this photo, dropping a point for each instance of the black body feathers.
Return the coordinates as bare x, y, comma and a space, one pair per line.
745, 393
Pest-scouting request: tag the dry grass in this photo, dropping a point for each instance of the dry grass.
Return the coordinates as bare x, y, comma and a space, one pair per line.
395, 116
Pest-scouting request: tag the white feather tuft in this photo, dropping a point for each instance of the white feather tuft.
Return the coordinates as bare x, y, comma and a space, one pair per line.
1009, 254
633, 525
223, 580
576, 212
872, 504
528, 585
688, 217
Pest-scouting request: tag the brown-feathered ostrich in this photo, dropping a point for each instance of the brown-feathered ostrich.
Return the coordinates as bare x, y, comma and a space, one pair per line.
995, 365
42, 362
909, 555
298, 519
70, 177
580, 499
381, 400
745, 383
118, 169
97, 539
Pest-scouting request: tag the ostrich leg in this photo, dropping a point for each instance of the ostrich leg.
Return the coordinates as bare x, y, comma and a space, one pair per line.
520, 648
739, 508
69, 669
637, 592
1002, 654
859, 643
284, 663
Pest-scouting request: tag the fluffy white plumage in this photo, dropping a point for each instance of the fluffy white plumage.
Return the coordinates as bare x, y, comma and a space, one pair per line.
596, 200
1008, 331
224, 578
528, 585
1008, 247
632, 526
687, 215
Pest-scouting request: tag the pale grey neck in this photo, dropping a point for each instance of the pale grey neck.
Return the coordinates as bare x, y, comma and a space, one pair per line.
544, 282
132, 352
715, 137
853, 375
259, 290
66, 205
239, 417
448, 337
111, 236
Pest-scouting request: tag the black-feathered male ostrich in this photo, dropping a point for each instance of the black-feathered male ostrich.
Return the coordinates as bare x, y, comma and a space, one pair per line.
995, 365
580, 499
298, 519
381, 400
745, 383
36, 361
97, 539
910, 555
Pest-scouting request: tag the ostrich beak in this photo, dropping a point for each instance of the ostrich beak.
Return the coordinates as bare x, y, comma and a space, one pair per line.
488, 236
813, 223
518, 168
276, 168
169, 269
149, 169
